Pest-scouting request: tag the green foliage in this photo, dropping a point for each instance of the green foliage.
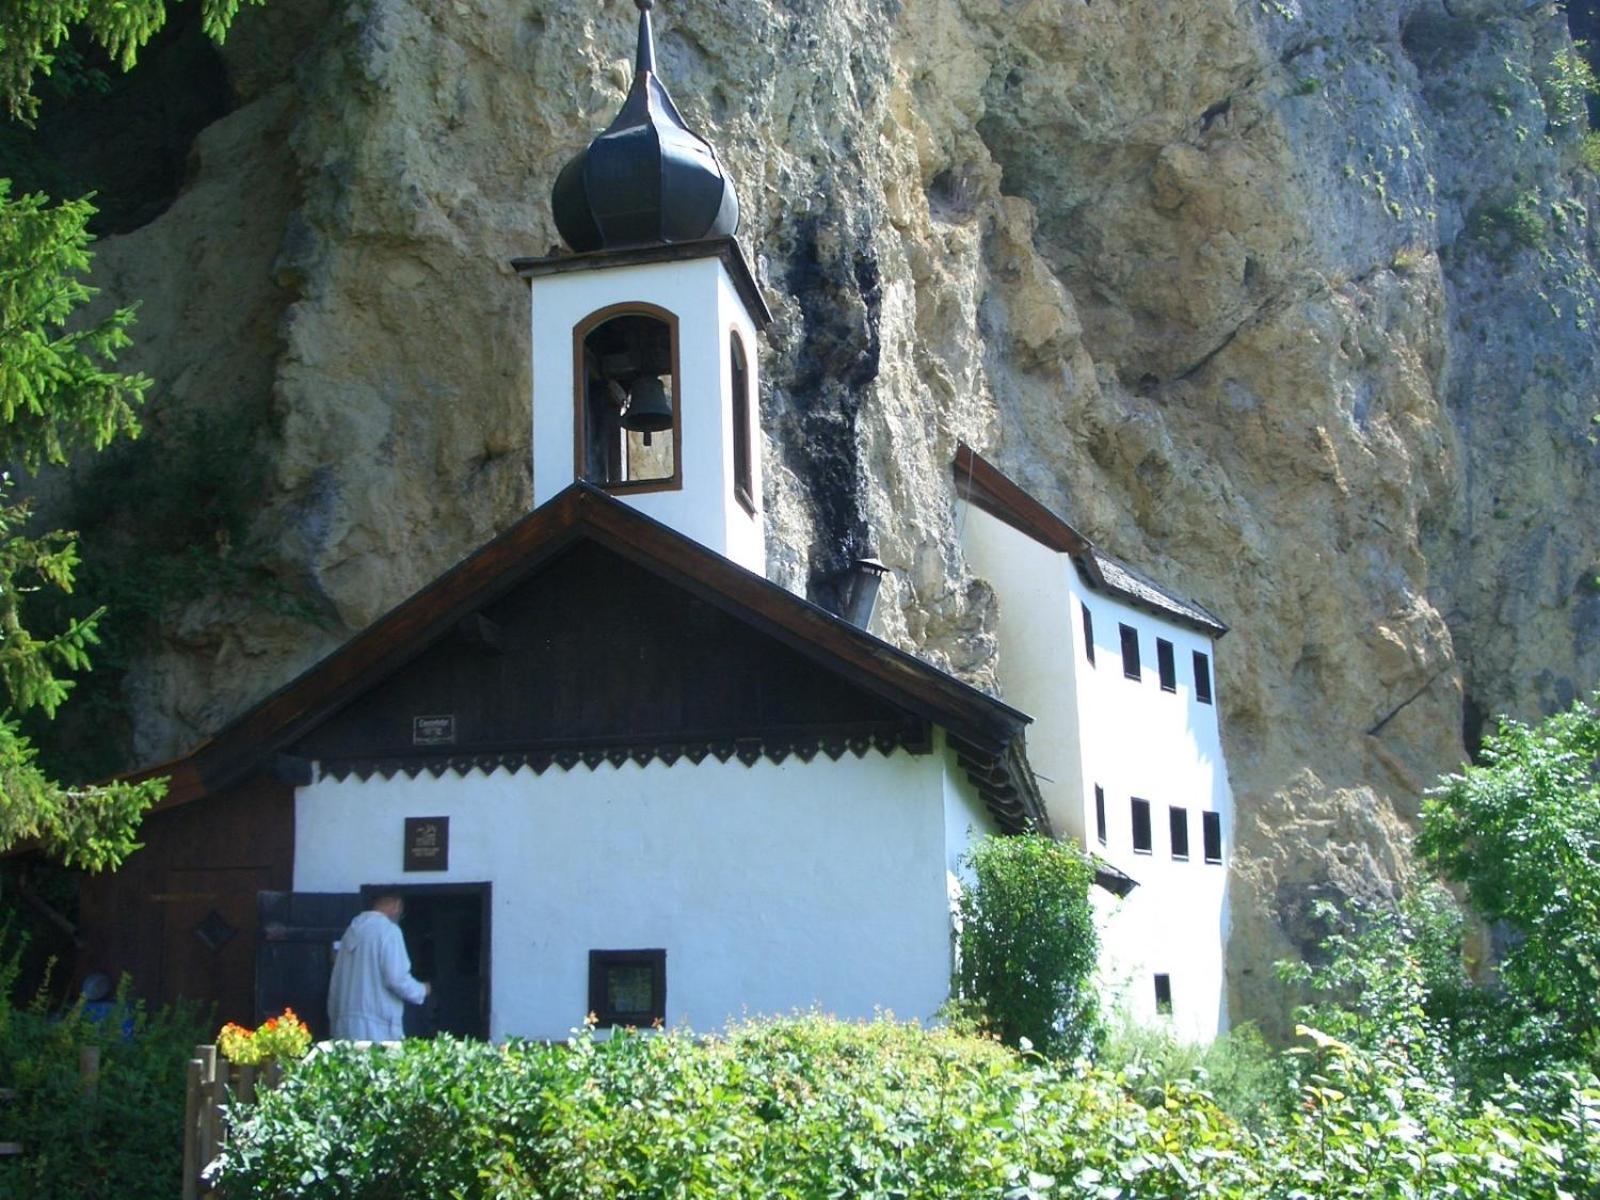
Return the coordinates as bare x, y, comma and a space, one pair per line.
121, 1143
1589, 152
57, 394
33, 34
1509, 224
1565, 87
1028, 943
1522, 833
1249, 1080
814, 1108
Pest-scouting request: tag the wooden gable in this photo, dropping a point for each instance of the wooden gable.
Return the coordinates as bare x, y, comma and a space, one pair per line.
593, 656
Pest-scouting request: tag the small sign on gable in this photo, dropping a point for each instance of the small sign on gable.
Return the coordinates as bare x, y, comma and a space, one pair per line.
433, 731
427, 844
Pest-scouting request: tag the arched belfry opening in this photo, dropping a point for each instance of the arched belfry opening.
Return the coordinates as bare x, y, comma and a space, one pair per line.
628, 420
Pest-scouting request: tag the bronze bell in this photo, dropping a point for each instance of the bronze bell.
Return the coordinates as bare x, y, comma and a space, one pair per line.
649, 410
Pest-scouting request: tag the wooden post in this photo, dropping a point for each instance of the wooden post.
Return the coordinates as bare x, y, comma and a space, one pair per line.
247, 1084
191, 1131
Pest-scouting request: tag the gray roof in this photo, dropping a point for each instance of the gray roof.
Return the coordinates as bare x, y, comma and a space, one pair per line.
1111, 575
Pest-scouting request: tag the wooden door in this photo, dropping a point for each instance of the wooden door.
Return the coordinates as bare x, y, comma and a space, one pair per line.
208, 936
294, 956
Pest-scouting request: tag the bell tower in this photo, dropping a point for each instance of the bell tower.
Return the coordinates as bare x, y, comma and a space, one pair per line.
645, 371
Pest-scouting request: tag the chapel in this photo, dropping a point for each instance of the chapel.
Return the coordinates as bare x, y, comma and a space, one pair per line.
616, 770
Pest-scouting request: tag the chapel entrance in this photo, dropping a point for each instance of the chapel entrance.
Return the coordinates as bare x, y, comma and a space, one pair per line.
446, 928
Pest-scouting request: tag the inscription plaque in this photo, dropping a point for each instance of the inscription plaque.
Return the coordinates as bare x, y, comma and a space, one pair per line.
433, 731
427, 844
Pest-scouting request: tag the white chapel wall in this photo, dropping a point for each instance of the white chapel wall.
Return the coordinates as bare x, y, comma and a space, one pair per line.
771, 887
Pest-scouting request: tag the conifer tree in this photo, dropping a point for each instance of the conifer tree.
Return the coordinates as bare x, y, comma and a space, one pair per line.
59, 394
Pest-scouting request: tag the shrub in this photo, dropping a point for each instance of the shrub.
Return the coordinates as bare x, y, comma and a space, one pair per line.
1248, 1079
1028, 943
810, 1107
123, 1143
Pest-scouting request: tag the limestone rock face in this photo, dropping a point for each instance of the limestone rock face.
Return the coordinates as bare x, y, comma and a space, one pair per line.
1291, 304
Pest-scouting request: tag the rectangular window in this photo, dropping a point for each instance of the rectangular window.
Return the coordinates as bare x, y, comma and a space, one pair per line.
1130, 651
1100, 813
1164, 994
1202, 678
739, 383
1166, 665
1178, 818
628, 987
1211, 833
1141, 826
1088, 633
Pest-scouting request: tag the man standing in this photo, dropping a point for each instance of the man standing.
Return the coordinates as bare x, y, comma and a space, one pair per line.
372, 980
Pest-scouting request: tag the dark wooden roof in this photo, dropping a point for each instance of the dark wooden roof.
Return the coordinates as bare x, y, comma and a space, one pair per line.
986, 732
982, 484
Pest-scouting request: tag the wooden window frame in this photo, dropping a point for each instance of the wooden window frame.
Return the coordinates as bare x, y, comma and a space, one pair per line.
1178, 832
580, 399
1202, 677
741, 397
1088, 632
1137, 805
1211, 830
1132, 668
601, 960
1166, 665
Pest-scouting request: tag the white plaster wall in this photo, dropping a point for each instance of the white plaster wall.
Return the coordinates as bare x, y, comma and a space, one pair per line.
1094, 726
1165, 748
771, 887
1038, 639
700, 294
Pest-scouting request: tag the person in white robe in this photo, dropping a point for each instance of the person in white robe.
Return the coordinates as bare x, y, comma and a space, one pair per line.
372, 980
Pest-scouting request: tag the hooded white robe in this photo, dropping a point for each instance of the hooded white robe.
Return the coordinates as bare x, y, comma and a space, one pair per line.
372, 982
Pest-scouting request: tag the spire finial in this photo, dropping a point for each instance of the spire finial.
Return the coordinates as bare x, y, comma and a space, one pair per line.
646, 59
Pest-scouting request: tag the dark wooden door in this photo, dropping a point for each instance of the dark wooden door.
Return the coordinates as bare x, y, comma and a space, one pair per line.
294, 952
208, 927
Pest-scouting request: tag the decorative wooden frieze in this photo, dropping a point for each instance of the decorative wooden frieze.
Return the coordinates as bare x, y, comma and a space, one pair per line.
776, 747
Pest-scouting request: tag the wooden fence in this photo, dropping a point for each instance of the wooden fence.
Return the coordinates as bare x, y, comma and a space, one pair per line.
214, 1083
88, 1072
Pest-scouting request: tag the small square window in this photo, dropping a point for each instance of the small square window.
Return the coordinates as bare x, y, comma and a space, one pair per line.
1202, 678
1178, 818
1130, 651
1088, 633
1166, 665
628, 987
1211, 835
1141, 826
1100, 813
1164, 995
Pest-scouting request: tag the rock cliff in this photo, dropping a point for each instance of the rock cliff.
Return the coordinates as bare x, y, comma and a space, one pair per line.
1289, 303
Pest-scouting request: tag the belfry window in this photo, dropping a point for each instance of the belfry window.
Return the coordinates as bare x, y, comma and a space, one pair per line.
627, 422
743, 485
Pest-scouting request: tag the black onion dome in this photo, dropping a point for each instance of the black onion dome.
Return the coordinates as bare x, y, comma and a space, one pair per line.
648, 178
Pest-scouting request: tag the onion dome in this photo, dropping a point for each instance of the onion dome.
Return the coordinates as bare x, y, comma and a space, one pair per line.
648, 178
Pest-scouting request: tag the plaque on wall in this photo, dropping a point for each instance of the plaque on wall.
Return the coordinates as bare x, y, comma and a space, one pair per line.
433, 731
427, 844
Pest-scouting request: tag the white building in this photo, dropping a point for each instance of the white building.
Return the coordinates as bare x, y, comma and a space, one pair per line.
1118, 674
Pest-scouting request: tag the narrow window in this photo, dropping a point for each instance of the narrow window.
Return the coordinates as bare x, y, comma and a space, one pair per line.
1211, 835
743, 485
628, 987
626, 391
1166, 665
1130, 651
1164, 995
1100, 813
1088, 633
1141, 826
1202, 678
1179, 821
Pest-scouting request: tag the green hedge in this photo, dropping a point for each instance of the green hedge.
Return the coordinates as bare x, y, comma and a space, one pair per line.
815, 1108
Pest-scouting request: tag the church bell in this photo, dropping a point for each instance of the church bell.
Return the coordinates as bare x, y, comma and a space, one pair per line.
649, 410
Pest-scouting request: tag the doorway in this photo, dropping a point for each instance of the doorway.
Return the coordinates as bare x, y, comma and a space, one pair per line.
446, 928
